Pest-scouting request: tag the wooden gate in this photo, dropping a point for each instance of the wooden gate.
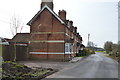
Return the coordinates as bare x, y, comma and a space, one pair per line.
21, 52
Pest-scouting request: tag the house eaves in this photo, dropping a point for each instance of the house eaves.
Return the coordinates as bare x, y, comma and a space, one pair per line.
39, 12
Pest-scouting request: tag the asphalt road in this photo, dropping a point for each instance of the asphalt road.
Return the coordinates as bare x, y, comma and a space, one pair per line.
94, 66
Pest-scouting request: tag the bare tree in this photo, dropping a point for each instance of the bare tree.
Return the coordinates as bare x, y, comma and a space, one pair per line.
16, 25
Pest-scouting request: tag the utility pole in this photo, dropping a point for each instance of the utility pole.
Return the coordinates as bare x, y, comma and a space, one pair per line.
88, 40
119, 22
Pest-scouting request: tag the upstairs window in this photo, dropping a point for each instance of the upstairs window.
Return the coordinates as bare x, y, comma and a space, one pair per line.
68, 25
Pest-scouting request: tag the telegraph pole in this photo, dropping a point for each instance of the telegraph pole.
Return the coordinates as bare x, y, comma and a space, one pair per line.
88, 40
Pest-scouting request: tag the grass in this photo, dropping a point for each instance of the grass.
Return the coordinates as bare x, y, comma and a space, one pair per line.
37, 72
106, 55
0, 50
0, 69
115, 58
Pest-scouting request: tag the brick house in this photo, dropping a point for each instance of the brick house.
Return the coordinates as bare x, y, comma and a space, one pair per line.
52, 36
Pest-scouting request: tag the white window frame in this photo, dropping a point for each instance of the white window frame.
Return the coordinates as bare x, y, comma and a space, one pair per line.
67, 48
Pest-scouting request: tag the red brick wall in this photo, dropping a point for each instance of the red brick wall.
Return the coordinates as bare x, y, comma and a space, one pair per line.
55, 57
48, 22
38, 47
47, 27
50, 36
47, 47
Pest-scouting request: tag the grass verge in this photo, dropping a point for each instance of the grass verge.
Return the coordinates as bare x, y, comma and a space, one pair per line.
114, 58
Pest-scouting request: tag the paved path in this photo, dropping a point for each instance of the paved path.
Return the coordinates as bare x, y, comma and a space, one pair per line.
51, 64
94, 66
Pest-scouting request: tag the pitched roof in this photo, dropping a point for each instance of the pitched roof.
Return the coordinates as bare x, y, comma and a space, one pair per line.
21, 37
39, 12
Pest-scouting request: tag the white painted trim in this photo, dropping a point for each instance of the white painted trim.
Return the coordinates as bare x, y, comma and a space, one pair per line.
52, 13
49, 41
21, 44
30, 22
76, 40
67, 52
72, 52
68, 43
45, 53
68, 35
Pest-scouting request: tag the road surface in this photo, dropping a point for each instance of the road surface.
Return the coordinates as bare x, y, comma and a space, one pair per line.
94, 66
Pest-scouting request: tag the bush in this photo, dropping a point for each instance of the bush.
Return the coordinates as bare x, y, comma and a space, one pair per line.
86, 52
114, 52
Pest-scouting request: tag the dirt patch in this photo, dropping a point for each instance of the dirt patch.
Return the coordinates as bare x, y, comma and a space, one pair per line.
15, 71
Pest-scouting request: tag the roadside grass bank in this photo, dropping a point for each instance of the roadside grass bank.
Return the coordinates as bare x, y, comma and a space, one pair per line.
14, 71
113, 50
113, 57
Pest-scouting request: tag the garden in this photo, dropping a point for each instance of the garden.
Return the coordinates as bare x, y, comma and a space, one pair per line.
15, 71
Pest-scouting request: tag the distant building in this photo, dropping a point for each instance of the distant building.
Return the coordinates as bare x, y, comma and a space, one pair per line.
118, 22
52, 36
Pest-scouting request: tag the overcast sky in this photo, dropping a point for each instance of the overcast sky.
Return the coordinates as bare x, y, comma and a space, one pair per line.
99, 18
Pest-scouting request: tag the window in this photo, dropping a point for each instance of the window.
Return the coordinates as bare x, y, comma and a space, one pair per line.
68, 25
67, 47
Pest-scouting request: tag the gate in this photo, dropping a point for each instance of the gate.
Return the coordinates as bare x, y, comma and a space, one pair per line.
21, 52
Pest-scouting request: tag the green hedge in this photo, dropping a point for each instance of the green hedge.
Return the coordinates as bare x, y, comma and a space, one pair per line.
86, 52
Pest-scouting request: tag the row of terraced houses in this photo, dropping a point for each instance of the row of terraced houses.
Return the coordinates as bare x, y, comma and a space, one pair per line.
52, 36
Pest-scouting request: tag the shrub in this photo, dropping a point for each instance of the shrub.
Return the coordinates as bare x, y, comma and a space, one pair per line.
86, 52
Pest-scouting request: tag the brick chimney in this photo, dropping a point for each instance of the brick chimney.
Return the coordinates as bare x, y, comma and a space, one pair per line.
77, 34
75, 30
71, 27
49, 3
62, 14
71, 22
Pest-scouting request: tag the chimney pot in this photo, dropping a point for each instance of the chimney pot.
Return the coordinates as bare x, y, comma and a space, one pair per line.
75, 30
49, 3
62, 14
